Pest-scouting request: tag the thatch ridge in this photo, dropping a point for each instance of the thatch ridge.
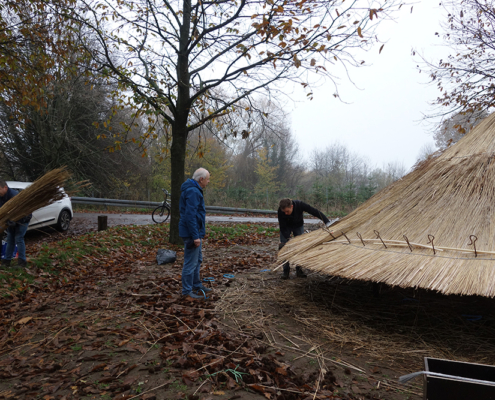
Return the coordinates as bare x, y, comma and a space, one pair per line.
450, 197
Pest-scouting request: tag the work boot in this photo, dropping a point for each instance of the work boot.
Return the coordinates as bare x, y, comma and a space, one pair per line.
286, 273
300, 273
6, 263
21, 263
193, 296
203, 288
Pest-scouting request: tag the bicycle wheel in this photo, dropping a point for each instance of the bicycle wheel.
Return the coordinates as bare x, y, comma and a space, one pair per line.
160, 214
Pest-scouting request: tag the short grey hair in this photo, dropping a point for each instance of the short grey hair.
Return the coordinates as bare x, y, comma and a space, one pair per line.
200, 173
3, 183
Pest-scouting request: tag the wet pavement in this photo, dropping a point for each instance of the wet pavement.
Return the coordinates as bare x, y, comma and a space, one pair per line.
87, 222
144, 219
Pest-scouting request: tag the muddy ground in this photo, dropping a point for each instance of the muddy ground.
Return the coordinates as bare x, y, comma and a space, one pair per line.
123, 331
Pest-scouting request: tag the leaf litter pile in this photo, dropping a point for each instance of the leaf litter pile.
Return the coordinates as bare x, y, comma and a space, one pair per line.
95, 317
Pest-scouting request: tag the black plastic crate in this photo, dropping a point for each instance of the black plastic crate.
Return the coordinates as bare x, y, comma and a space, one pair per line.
454, 388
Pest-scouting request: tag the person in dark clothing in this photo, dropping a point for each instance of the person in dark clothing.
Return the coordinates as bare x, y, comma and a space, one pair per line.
290, 219
192, 230
16, 230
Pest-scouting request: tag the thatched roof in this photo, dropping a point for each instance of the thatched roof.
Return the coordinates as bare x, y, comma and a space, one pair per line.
450, 197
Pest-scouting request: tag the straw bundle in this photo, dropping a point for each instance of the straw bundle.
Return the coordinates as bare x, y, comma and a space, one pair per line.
43, 192
450, 197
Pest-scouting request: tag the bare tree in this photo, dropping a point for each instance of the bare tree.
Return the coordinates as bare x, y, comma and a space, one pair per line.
389, 173
195, 61
425, 151
466, 77
453, 128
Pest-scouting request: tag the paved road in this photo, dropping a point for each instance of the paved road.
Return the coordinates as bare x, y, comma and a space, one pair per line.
86, 222
143, 219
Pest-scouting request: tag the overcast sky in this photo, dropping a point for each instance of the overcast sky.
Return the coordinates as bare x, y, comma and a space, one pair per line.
390, 97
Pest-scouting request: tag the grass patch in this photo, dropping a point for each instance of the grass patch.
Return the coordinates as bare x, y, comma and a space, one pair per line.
112, 209
232, 232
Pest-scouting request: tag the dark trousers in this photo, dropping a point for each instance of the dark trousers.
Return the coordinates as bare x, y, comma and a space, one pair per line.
284, 240
294, 231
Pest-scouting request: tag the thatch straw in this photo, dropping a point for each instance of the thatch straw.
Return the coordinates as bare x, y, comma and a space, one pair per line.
43, 192
450, 197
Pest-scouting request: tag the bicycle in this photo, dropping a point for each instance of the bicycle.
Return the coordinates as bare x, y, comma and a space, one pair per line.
162, 212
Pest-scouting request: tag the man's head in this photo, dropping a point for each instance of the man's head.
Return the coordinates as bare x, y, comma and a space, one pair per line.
202, 176
3, 187
286, 206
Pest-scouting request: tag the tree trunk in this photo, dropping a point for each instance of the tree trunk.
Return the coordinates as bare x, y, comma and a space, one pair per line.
179, 128
178, 159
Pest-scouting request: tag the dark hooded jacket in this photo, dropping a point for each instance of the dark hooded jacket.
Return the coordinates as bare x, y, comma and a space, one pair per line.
192, 211
295, 220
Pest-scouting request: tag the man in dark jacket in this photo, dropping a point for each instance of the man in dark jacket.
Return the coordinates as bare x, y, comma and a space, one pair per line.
15, 231
192, 229
290, 219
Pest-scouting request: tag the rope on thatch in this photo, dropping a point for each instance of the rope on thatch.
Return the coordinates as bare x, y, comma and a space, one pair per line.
43, 192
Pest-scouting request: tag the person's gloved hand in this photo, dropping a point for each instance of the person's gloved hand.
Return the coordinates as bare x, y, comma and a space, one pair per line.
10, 223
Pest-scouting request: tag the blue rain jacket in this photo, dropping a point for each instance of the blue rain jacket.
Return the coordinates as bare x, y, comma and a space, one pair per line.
192, 211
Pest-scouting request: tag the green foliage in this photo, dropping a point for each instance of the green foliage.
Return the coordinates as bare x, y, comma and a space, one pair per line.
266, 173
318, 194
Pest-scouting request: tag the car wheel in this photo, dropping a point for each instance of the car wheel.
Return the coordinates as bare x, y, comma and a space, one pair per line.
63, 221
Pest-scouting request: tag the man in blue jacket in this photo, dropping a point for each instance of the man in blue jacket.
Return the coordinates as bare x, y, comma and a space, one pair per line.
192, 230
15, 231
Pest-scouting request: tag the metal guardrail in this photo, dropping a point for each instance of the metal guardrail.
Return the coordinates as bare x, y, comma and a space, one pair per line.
152, 204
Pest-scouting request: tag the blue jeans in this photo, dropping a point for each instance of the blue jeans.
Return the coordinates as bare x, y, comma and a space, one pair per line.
294, 231
15, 236
193, 257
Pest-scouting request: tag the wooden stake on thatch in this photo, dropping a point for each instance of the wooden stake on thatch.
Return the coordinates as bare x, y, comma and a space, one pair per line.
43, 192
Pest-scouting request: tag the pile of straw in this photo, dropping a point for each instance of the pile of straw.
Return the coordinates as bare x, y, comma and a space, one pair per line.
43, 192
450, 197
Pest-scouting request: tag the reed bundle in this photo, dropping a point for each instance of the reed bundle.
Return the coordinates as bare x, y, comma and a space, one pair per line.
43, 192
450, 197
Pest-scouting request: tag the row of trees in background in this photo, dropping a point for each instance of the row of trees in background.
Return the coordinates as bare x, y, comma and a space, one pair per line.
257, 171
136, 105
183, 68
77, 118
252, 172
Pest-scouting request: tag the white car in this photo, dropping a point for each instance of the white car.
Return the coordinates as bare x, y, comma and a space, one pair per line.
59, 213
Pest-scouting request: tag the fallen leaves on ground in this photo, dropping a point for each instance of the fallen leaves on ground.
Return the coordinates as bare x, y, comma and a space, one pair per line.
95, 317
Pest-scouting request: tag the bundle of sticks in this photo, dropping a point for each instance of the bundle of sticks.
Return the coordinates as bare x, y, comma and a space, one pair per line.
43, 192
